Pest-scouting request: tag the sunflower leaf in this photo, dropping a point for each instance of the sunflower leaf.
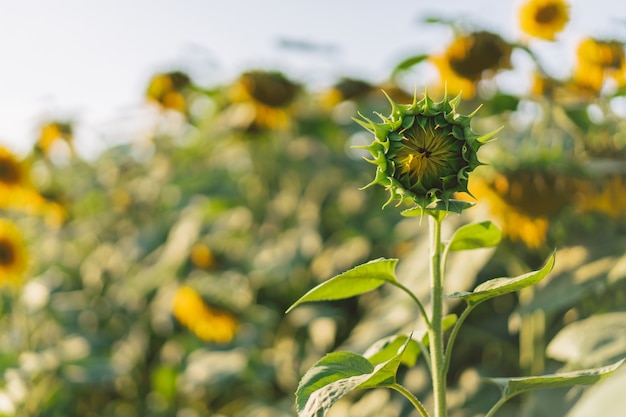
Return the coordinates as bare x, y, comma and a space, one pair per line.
338, 373
500, 286
475, 236
356, 281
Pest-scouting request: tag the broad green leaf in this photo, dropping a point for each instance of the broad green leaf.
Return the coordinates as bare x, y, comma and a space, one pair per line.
338, 373
603, 399
475, 236
356, 281
590, 342
384, 349
514, 386
499, 286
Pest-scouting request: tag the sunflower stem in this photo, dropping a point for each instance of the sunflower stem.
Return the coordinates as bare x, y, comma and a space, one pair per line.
416, 403
437, 358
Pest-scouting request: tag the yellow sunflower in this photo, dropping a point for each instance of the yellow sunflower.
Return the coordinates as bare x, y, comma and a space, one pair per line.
208, 323
12, 171
18, 193
609, 198
468, 58
524, 201
13, 255
262, 100
202, 256
167, 90
346, 89
543, 85
597, 61
13, 179
543, 19
54, 132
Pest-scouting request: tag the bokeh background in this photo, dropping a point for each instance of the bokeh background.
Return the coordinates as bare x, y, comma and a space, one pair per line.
173, 175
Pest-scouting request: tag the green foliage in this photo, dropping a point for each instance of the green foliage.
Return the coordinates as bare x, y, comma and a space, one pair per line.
356, 281
475, 236
500, 286
250, 204
514, 386
338, 373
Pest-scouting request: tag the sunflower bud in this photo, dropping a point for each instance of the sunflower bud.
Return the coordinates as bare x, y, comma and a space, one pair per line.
424, 151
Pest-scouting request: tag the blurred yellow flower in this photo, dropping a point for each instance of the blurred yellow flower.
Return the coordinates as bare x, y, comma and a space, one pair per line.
597, 61
262, 100
202, 256
208, 323
167, 90
468, 58
13, 255
524, 201
346, 89
53, 132
543, 86
12, 172
14, 181
609, 198
543, 19
18, 193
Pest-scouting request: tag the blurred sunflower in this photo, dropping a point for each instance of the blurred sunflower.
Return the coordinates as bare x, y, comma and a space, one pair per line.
346, 89
18, 193
543, 19
12, 172
468, 58
608, 198
597, 61
208, 323
167, 90
524, 200
262, 100
55, 132
202, 256
13, 255
13, 179
543, 85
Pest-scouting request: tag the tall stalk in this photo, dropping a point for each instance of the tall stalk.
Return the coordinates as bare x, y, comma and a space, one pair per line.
437, 359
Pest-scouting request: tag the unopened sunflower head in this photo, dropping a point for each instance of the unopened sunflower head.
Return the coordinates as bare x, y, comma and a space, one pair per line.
424, 151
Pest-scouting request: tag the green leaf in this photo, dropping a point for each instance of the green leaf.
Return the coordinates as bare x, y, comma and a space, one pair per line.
338, 373
603, 399
408, 63
384, 349
590, 342
356, 281
474, 236
514, 386
500, 286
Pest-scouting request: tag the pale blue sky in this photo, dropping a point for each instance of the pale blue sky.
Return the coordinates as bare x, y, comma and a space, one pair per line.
90, 60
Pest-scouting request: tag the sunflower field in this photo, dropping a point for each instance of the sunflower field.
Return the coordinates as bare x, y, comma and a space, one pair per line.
153, 279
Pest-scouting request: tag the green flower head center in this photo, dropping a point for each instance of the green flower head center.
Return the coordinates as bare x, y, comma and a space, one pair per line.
425, 151
426, 155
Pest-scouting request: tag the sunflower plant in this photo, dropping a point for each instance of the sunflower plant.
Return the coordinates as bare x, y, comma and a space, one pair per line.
424, 153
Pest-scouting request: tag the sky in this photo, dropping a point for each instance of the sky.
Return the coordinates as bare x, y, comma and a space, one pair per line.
90, 60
